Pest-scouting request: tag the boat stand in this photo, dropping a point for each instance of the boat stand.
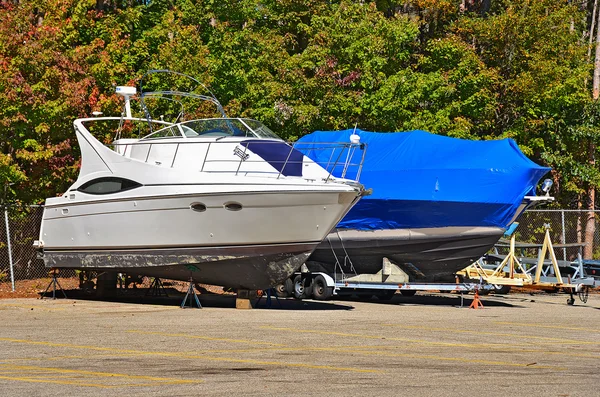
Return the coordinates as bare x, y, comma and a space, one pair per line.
268, 293
476, 304
541, 273
157, 288
54, 282
191, 292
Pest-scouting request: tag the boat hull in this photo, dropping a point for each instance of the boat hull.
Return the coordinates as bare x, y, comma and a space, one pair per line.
253, 246
241, 267
427, 255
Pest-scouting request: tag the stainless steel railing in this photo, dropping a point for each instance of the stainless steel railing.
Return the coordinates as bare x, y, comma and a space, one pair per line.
339, 159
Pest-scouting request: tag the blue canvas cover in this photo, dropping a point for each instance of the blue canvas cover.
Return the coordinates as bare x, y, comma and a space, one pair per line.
422, 180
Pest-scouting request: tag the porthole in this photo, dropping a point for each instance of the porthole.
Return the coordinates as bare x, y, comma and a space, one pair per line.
198, 207
232, 206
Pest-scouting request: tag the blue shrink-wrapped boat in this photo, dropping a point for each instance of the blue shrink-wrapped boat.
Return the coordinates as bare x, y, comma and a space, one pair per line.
437, 203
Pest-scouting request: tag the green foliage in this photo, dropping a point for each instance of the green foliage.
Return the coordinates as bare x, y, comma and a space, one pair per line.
4, 276
516, 69
543, 101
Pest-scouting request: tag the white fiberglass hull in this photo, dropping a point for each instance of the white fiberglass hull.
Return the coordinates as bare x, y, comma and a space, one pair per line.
231, 212
254, 246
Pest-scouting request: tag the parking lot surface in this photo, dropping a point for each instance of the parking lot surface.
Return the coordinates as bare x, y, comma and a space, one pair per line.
427, 345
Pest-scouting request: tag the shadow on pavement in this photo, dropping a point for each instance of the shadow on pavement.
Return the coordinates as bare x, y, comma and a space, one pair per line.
451, 300
209, 300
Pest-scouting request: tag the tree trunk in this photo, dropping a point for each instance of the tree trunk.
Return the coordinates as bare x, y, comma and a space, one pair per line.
101, 5
486, 5
591, 32
579, 225
596, 87
590, 226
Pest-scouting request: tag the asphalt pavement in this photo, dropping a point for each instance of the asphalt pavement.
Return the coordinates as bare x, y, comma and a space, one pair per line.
427, 345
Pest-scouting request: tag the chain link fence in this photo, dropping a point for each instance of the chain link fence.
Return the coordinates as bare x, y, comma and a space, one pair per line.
566, 227
23, 228
18, 257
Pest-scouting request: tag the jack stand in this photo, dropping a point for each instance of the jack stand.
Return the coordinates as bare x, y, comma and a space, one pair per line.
476, 304
191, 292
571, 300
269, 293
157, 288
54, 282
462, 295
584, 293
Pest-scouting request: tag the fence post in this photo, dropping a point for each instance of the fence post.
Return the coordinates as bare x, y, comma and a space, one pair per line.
10, 259
564, 239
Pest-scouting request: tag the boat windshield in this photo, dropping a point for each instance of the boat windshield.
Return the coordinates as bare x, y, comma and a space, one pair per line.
221, 127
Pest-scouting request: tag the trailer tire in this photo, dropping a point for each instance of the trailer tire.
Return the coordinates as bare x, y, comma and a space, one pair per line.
501, 289
320, 290
289, 286
302, 287
408, 292
285, 289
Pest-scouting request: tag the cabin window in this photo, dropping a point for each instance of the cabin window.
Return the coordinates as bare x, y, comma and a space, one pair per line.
108, 185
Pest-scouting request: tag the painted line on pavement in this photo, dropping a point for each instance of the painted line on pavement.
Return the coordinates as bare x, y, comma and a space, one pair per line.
510, 335
38, 374
497, 347
379, 337
191, 356
29, 307
58, 358
547, 326
247, 341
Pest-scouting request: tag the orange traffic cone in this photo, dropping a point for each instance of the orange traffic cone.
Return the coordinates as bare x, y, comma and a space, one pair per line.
476, 304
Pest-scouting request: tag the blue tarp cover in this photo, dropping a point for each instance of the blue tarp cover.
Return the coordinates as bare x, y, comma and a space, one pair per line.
424, 180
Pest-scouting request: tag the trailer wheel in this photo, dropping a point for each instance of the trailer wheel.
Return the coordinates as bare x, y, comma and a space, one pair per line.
289, 286
408, 292
302, 287
320, 290
501, 289
285, 290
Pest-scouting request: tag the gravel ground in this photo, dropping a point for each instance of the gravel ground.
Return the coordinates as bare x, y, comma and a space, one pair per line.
427, 345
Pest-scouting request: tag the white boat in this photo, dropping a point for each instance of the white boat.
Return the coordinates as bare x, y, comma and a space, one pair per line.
223, 201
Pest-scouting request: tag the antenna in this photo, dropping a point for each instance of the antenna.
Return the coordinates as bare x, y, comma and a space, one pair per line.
126, 92
354, 138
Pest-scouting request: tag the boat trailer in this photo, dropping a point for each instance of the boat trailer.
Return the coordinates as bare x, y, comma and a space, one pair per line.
535, 273
345, 280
